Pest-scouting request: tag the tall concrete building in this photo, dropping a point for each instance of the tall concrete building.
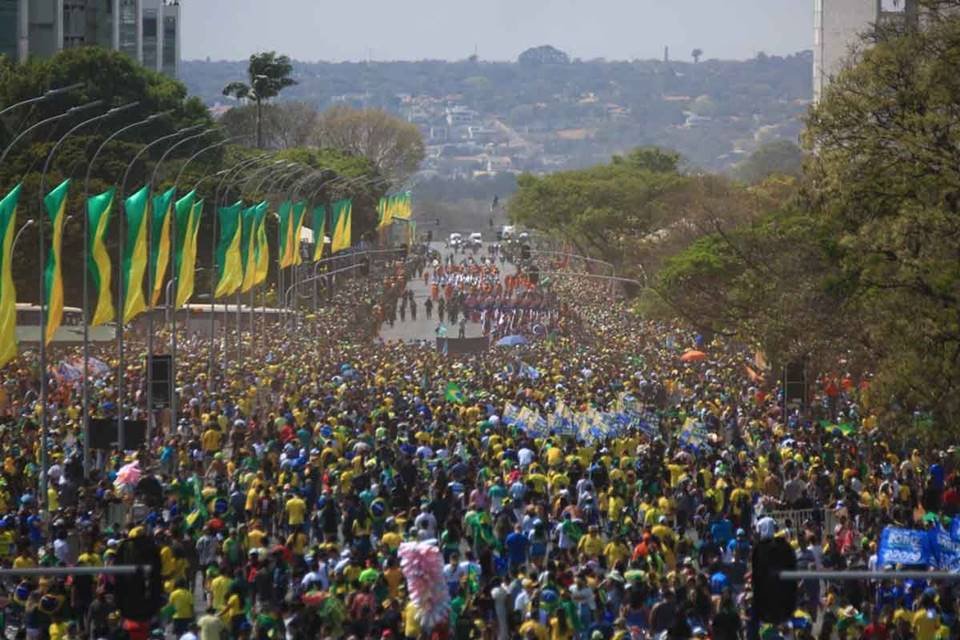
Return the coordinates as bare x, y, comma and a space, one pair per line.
146, 30
838, 25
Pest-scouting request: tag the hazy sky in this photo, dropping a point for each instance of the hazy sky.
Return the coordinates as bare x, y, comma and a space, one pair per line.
500, 29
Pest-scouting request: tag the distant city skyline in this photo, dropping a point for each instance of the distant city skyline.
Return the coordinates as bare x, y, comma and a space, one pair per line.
311, 30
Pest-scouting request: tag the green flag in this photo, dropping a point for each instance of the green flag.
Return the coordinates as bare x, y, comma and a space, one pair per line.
454, 393
187, 267
248, 248
285, 213
262, 246
135, 254
56, 205
160, 242
8, 294
319, 230
99, 209
228, 258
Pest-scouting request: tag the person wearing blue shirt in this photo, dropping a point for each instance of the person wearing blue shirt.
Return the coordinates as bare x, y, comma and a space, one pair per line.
722, 531
516, 544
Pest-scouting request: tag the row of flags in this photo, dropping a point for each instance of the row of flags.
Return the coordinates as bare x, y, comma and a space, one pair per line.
242, 254
590, 425
396, 207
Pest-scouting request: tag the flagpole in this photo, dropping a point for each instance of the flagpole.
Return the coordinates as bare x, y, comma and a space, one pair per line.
86, 295
44, 412
121, 369
235, 169
175, 409
43, 353
152, 276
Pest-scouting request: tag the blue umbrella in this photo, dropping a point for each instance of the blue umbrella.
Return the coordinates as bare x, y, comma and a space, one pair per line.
511, 341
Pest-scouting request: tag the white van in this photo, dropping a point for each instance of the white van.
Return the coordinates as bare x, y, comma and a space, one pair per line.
455, 240
476, 239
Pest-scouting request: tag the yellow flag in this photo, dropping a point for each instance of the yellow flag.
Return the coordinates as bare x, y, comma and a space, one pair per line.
56, 205
8, 294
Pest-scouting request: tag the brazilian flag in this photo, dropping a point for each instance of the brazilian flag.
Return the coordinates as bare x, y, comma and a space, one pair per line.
455, 393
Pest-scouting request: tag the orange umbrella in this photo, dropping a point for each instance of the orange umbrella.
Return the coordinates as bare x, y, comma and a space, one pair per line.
693, 356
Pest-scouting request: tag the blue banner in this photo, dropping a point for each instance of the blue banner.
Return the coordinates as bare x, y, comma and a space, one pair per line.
946, 550
904, 546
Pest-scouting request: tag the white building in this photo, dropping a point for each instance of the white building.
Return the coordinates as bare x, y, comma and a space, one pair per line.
837, 27
146, 30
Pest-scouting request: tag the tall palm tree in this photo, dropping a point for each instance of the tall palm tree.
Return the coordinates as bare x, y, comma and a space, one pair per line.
268, 74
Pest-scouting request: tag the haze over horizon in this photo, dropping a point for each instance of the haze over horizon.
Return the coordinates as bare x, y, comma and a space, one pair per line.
499, 30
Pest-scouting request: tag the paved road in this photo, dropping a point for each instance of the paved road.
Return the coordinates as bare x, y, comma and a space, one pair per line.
423, 328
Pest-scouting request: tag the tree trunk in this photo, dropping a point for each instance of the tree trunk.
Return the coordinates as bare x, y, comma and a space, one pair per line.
259, 124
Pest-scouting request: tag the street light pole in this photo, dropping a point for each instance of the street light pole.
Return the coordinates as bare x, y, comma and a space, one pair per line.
44, 417
121, 435
152, 279
41, 98
236, 169
85, 419
175, 278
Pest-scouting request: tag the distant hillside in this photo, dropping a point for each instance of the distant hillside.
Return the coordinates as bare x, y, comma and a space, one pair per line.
545, 114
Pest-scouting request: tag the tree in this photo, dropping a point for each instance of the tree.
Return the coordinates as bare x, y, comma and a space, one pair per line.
394, 147
284, 125
268, 74
116, 79
544, 54
886, 174
781, 157
696, 54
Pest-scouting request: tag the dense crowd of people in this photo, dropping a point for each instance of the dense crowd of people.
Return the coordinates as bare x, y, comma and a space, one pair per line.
284, 496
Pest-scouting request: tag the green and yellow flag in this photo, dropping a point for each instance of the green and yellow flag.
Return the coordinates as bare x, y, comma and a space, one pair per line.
285, 213
187, 259
342, 225
135, 254
56, 205
8, 294
263, 247
403, 209
183, 216
248, 247
319, 230
160, 242
383, 213
299, 215
99, 209
229, 259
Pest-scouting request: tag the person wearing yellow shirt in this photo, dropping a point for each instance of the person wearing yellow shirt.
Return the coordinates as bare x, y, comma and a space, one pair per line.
59, 628
391, 540
295, 508
393, 576
181, 600
255, 538
925, 623
533, 629
591, 544
210, 440
24, 560
615, 505
297, 541
616, 551
554, 456
219, 589
411, 625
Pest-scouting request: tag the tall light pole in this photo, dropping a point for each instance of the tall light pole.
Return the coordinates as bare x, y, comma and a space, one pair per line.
234, 170
174, 411
121, 437
41, 98
86, 278
44, 418
60, 116
152, 277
